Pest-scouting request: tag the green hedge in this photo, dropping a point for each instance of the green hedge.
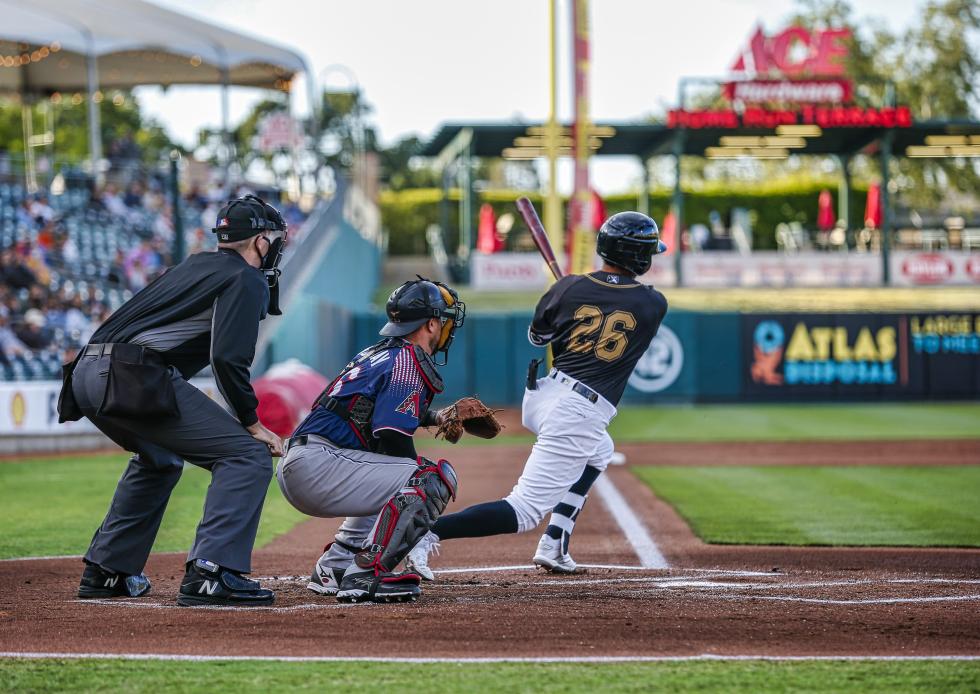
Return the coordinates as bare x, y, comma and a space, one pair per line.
406, 214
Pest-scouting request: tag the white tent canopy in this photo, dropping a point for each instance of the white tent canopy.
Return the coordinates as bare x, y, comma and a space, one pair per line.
51, 46
134, 42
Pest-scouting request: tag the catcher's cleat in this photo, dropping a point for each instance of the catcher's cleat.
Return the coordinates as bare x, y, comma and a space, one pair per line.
207, 584
418, 558
325, 580
550, 557
99, 583
360, 586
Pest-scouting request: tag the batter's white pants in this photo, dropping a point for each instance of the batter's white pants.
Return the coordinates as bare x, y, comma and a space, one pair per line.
571, 434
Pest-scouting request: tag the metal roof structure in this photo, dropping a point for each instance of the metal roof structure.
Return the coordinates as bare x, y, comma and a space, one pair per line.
655, 139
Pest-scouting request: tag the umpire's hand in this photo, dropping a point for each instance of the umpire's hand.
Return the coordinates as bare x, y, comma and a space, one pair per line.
267, 437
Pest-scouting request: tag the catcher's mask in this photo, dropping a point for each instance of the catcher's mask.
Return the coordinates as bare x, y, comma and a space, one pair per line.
417, 301
249, 216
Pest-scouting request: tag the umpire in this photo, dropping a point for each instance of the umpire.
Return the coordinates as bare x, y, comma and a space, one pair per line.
130, 381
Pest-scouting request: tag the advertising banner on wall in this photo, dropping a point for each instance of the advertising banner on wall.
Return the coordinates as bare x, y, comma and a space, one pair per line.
862, 356
774, 269
30, 408
515, 271
935, 268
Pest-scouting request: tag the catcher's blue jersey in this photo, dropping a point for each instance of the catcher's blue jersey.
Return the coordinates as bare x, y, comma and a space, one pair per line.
392, 379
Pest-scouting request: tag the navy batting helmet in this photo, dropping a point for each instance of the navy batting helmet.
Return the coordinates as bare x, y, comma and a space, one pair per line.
630, 240
415, 302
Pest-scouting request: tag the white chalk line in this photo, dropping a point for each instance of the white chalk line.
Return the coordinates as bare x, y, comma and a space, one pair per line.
144, 605
861, 601
532, 567
542, 659
636, 533
646, 584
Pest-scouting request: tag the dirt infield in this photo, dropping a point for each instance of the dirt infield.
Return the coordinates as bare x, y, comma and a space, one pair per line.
724, 600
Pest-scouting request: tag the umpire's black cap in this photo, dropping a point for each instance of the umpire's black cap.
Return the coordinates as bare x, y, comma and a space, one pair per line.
245, 217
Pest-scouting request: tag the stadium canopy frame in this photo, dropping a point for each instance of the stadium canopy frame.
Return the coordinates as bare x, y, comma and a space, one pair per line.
49, 46
458, 142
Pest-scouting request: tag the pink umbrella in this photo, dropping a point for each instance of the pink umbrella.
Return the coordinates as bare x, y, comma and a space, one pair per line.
486, 234
872, 207
825, 211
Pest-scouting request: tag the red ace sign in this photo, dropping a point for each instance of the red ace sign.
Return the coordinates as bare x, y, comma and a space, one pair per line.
793, 66
794, 52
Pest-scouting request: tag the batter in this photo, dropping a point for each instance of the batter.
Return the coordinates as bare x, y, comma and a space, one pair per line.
598, 326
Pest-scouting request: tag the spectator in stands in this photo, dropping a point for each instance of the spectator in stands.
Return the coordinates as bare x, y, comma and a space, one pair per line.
134, 195
14, 272
10, 344
40, 210
32, 331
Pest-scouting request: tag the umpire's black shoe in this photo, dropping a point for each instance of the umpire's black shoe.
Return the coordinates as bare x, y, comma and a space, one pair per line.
100, 583
206, 583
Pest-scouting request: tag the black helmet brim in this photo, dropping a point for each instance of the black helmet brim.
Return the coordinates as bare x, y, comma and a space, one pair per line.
403, 328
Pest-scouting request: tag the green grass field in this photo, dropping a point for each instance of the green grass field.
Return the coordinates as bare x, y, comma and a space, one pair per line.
81, 487
674, 676
761, 299
78, 490
798, 422
871, 506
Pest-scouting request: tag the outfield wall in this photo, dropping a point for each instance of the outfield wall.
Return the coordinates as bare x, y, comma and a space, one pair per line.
736, 357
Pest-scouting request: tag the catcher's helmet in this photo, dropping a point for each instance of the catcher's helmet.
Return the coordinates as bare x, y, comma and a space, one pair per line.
415, 302
630, 240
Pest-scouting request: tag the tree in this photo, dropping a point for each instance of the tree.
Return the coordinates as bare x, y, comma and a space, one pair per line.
934, 67
121, 117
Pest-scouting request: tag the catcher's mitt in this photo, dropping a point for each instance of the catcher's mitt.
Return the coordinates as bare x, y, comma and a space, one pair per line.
470, 415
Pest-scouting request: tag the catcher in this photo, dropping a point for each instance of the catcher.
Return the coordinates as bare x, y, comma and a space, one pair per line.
353, 456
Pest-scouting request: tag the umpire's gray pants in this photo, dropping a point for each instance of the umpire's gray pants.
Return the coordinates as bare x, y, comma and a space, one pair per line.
203, 434
322, 480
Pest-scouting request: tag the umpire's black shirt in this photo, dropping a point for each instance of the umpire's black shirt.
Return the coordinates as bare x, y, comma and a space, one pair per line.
599, 325
207, 308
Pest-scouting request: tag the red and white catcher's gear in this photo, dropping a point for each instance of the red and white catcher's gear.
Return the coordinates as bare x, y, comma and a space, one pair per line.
408, 515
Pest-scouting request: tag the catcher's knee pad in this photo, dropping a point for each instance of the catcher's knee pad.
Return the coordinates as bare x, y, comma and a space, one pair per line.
409, 514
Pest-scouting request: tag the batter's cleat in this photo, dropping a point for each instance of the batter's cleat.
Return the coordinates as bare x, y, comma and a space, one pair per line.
363, 585
207, 584
550, 557
418, 558
325, 580
101, 583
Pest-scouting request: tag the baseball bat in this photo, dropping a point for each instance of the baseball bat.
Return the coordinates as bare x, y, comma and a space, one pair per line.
534, 225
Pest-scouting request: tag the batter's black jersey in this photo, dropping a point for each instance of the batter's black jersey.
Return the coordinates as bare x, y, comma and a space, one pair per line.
599, 325
206, 309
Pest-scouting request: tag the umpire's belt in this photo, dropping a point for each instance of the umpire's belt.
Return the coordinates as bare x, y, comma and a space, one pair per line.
134, 354
304, 439
576, 386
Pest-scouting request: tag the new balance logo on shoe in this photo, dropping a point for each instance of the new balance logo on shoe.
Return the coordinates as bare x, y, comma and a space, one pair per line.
208, 587
111, 581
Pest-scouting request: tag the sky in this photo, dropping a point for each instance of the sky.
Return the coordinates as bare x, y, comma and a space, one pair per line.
423, 63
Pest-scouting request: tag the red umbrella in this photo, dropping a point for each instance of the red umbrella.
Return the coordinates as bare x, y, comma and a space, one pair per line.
598, 210
486, 234
872, 208
825, 211
668, 232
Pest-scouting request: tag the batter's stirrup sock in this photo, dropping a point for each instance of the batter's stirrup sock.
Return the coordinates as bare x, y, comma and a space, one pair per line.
563, 516
492, 518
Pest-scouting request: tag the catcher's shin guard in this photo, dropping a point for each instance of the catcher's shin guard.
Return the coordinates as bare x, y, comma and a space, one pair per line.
408, 515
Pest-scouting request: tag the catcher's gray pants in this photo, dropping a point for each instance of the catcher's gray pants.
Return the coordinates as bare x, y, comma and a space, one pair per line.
322, 480
203, 434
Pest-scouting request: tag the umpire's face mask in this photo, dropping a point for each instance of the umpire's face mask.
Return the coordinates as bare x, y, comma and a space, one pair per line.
270, 268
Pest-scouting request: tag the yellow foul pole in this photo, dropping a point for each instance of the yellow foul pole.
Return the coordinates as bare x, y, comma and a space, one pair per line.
552, 205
